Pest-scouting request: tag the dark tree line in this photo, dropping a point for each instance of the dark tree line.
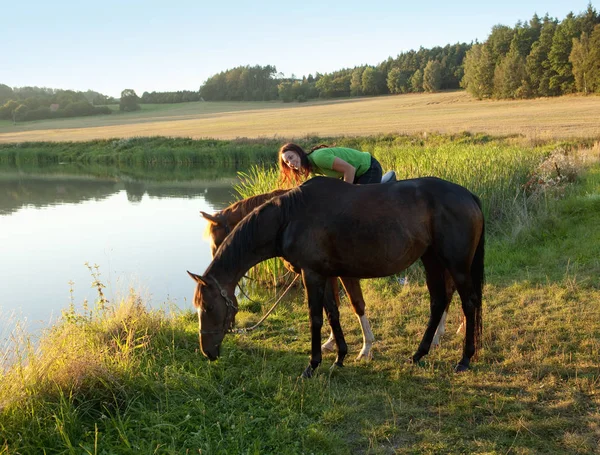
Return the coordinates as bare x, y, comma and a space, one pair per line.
36, 103
542, 57
414, 71
244, 83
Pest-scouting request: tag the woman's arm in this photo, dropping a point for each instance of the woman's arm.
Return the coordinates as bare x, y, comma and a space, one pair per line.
345, 168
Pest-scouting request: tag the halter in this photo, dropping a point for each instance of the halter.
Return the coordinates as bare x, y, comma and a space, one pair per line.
229, 304
227, 228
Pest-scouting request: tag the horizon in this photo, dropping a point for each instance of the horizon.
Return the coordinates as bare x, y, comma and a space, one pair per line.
145, 46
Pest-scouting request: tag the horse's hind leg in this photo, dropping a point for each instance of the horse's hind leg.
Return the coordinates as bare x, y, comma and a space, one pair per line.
469, 300
352, 287
434, 270
450, 288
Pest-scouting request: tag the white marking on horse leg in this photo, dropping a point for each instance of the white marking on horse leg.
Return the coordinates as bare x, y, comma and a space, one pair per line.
368, 339
329, 345
440, 331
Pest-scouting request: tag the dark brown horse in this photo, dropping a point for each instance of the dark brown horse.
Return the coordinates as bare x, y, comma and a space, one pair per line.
329, 228
222, 223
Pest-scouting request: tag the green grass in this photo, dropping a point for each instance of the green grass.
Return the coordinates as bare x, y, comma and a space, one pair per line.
154, 151
130, 380
561, 237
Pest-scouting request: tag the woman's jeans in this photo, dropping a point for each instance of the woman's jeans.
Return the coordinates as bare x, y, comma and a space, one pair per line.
373, 174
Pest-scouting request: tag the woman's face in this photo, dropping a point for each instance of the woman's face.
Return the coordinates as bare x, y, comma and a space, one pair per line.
291, 159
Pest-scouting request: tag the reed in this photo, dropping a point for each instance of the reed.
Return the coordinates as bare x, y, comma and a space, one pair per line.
495, 169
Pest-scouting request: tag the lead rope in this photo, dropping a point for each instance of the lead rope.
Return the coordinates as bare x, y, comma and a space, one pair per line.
252, 279
250, 329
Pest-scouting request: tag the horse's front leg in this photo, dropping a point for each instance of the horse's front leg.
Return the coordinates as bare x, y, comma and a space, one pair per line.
315, 290
329, 345
330, 304
318, 294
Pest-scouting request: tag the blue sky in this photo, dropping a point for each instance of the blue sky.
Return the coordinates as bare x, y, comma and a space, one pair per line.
150, 45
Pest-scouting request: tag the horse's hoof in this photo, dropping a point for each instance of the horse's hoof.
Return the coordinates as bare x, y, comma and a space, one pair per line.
336, 365
460, 368
367, 356
307, 373
417, 363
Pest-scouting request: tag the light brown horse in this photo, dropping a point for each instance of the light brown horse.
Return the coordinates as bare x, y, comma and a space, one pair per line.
321, 228
221, 223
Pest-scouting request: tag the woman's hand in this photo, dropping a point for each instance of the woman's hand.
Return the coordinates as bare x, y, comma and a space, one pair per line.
345, 168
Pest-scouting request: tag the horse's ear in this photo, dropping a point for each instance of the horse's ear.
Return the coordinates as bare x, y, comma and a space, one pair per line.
210, 218
197, 278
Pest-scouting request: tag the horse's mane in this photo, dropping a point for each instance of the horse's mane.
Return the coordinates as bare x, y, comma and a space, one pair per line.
238, 210
232, 251
245, 206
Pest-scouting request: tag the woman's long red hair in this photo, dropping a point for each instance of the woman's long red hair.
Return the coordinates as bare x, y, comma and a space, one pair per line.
291, 177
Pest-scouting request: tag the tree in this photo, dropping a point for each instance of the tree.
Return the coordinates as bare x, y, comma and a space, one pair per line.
372, 81
587, 20
585, 58
509, 76
356, 81
525, 35
537, 65
20, 112
7, 111
6, 93
129, 101
595, 56
398, 81
562, 42
325, 86
416, 81
499, 41
479, 66
285, 92
432, 76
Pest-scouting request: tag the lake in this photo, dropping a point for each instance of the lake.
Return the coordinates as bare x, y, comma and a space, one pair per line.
142, 234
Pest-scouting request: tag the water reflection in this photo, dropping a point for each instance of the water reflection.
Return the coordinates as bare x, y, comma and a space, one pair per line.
18, 189
141, 227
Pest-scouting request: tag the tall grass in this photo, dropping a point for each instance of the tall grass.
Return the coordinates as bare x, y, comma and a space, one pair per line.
495, 169
500, 171
141, 151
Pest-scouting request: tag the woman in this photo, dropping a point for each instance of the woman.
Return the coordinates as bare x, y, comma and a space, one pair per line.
353, 166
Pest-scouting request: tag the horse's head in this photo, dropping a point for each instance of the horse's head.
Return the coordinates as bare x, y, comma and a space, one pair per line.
216, 313
218, 228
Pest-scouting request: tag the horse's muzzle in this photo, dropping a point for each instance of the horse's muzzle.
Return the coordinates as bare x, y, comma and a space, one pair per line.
211, 354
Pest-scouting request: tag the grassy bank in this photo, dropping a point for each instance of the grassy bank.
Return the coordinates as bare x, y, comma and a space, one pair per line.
155, 151
126, 379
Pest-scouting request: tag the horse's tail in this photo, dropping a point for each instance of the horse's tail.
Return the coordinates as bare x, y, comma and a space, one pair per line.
478, 279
